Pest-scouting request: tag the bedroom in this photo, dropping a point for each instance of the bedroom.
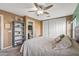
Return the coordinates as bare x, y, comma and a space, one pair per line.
35, 21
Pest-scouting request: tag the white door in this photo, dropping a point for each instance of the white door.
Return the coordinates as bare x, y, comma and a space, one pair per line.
45, 28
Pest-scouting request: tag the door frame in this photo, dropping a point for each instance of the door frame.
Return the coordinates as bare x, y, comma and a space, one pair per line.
2, 31
33, 26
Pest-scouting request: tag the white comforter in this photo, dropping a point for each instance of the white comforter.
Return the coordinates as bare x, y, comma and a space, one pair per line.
44, 47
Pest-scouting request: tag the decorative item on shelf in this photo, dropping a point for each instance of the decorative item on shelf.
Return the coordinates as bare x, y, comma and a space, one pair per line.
18, 26
18, 32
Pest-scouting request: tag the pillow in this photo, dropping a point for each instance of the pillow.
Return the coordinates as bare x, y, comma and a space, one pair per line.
64, 43
62, 36
59, 38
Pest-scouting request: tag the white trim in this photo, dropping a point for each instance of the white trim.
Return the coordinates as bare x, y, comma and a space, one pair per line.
2, 32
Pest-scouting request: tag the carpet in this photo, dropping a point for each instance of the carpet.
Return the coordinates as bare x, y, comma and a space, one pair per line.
14, 51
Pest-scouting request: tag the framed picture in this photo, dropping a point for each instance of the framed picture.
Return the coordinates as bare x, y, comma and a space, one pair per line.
7, 26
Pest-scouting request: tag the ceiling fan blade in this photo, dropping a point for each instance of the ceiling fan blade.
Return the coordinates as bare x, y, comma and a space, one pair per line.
46, 13
31, 11
36, 5
41, 6
48, 7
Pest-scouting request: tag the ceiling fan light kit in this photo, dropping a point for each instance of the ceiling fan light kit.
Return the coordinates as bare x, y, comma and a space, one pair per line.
40, 12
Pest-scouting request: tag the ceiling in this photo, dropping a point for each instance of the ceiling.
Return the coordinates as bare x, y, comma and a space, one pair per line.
58, 9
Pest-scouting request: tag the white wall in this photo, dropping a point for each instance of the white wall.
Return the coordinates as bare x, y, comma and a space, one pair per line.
54, 27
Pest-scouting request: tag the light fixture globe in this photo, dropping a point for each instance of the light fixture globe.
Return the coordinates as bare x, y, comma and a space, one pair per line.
39, 12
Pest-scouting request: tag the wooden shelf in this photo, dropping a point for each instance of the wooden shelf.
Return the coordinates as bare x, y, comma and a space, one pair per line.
18, 38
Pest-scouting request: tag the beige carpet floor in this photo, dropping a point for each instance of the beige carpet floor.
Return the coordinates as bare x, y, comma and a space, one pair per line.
14, 51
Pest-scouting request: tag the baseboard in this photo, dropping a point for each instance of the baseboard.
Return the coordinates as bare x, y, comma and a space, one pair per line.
7, 47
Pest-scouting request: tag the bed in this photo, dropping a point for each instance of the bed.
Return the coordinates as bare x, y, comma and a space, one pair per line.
44, 46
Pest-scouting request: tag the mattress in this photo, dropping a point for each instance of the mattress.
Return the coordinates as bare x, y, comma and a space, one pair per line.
43, 46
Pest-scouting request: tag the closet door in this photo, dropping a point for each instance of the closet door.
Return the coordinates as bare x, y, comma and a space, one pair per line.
57, 27
52, 28
45, 28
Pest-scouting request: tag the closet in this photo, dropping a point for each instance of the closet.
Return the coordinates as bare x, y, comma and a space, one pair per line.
54, 27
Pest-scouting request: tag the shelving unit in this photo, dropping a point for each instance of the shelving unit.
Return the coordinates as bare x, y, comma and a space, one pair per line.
18, 33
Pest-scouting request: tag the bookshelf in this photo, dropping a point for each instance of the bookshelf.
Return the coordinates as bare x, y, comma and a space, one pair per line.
18, 36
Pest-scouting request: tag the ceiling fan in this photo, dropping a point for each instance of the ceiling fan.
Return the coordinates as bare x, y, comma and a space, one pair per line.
41, 9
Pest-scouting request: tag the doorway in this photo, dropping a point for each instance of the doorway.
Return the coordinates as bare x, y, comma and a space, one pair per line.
30, 30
